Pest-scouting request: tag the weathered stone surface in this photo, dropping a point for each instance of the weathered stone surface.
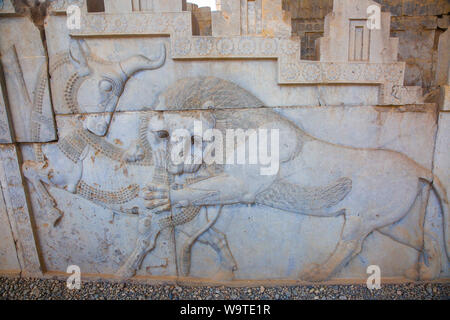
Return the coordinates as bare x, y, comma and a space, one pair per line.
8, 254
19, 214
444, 99
349, 170
201, 20
60, 6
25, 67
340, 42
416, 23
6, 7
442, 158
6, 133
227, 21
118, 6
443, 65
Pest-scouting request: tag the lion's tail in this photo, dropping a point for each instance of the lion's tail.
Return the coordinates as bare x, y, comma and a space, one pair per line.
313, 201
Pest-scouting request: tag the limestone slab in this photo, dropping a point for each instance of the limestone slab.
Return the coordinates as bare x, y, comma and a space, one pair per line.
359, 179
443, 65
6, 7
267, 232
19, 214
25, 70
118, 6
6, 133
444, 99
442, 159
340, 40
8, 254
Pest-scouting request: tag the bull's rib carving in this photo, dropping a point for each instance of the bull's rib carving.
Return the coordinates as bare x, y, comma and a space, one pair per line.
184, 216
100, 196
74, 144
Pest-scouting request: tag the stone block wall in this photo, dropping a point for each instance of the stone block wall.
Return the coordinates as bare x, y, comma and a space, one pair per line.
358, 172
418, 25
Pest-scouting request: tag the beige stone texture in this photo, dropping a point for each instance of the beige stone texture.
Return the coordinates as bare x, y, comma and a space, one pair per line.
227, 21
275, 21
19, 213
8, 255
118, 6
346, 25
60, 6
357, 173
442, 155
201, 20
168, 5
6, 133
443, 65
444, 98
25, 69
417, 24
7, 7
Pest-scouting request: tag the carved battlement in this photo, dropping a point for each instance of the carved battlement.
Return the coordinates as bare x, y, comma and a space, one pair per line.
251, 17
349, 36
350, 52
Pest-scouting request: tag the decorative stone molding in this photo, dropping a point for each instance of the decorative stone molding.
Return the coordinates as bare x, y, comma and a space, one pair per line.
380, 68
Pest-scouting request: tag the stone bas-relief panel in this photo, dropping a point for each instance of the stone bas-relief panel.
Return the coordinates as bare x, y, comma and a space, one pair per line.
353, 169
347, 190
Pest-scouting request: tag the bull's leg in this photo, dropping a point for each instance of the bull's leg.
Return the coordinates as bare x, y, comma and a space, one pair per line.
146, 242
430, 259
218, 241
37, 173
350, 244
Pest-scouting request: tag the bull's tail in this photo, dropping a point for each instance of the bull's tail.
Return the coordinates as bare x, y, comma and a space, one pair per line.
441, 193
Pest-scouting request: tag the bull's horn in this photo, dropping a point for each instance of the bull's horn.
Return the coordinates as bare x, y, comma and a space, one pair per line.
139, 62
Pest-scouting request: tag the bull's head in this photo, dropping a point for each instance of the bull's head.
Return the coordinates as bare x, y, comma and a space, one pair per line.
103, 83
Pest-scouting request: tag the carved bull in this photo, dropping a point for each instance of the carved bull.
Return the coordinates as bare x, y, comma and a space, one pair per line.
62, 164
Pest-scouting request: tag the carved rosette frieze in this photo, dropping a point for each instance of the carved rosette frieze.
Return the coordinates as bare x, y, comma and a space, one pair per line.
235, 47
18, 210
313, 72
389, 76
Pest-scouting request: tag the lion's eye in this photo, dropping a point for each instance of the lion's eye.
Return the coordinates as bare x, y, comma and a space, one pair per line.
106, 86
162, 134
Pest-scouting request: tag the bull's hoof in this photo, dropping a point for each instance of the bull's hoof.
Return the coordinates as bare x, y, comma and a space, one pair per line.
224, 275
125, 272
55, 216
431, 272
412, 274
314, 273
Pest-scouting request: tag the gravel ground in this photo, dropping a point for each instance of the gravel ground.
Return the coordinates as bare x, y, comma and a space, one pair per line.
37, 289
